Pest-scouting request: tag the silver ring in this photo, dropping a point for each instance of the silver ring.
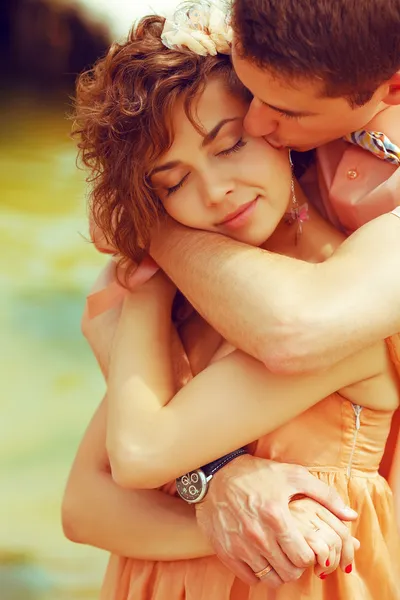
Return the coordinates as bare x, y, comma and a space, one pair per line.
263, 572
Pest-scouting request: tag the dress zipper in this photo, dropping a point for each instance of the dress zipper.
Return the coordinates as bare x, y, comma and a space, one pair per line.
357, 411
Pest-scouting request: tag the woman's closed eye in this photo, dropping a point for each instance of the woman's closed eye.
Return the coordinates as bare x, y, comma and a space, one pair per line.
223, 153
239, 144
175, 188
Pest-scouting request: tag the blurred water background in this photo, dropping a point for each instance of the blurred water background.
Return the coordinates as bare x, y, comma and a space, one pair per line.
50, 382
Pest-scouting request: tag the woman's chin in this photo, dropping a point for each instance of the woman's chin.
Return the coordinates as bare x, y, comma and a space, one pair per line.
253, 236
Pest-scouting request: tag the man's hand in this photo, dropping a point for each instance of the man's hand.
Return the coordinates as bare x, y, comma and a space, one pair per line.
246, 517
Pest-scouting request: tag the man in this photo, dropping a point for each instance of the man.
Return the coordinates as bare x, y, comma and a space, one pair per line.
318, 71
314, 78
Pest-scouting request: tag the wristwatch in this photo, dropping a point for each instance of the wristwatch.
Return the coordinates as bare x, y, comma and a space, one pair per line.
193, 486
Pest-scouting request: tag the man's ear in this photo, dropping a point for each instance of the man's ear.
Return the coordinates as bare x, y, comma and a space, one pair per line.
392, 95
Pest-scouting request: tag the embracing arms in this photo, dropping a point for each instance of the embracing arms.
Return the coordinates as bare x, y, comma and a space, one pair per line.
150, 525
292, 316
155, 434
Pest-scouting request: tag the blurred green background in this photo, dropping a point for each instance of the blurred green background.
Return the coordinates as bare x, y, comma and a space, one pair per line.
50, 382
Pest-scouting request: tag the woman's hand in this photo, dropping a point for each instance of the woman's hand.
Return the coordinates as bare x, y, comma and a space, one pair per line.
100, 331
159, 287
328, 537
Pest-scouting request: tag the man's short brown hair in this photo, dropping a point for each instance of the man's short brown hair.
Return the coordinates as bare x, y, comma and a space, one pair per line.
352, 46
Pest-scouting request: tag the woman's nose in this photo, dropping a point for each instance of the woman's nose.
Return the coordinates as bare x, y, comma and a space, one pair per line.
216, 191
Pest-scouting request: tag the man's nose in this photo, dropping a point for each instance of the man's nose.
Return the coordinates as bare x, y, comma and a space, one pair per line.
260, 120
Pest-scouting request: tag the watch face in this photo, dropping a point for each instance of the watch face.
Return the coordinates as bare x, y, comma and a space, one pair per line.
192, 487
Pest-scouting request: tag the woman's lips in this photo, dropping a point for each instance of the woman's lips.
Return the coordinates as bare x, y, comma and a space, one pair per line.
240, 216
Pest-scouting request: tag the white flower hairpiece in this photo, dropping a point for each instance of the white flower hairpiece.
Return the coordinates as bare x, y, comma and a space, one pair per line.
203, 26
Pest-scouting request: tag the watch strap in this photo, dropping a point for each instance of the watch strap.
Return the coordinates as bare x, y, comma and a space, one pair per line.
211, 468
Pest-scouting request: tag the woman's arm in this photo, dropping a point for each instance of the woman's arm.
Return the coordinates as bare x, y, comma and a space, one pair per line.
154, 435
323, 313
143, 524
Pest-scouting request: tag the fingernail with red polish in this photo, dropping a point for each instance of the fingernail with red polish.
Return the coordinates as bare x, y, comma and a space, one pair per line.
328, 564
322, 576
348, 569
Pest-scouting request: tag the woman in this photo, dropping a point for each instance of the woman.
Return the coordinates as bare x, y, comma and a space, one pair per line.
163, 131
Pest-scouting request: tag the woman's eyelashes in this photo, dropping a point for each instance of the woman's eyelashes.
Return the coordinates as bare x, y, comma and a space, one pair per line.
239, 144
235, 148
175, 188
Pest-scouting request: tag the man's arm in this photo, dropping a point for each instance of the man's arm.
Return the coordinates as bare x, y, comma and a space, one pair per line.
291, 315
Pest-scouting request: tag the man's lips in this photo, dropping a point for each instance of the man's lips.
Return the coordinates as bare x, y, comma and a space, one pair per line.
234, 217
276, 145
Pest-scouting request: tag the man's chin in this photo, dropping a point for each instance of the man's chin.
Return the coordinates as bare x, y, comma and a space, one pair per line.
299, 148
312, 145
305, 147
296, 147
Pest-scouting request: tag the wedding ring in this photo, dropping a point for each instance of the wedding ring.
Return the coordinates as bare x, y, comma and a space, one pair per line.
261, 574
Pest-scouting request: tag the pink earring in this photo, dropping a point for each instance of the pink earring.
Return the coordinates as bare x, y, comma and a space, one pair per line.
297, 214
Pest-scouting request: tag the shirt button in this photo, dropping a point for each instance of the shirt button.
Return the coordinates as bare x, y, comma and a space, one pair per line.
352, 174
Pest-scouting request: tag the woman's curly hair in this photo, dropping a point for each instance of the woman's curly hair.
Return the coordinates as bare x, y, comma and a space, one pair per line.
123, 114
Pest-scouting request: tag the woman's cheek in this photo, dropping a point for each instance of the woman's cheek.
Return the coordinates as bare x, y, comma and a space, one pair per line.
175, 212
185, 209
172, 209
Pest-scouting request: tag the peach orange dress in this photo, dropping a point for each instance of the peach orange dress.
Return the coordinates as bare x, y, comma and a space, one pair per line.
341, 444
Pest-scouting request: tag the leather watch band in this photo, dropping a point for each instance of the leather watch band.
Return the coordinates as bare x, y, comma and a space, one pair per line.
211, 468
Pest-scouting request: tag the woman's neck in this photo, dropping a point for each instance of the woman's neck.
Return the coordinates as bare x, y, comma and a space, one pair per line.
317, 241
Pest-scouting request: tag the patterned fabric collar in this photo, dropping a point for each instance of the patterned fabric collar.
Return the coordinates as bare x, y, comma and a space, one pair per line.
377, 143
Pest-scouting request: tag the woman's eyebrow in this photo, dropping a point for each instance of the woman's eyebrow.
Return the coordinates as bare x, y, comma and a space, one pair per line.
211, 135
165, 167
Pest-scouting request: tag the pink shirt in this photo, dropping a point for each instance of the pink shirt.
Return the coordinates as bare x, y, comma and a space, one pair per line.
351, 186
355, 186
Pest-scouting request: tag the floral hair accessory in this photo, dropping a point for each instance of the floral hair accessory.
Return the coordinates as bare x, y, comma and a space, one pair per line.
204, 27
